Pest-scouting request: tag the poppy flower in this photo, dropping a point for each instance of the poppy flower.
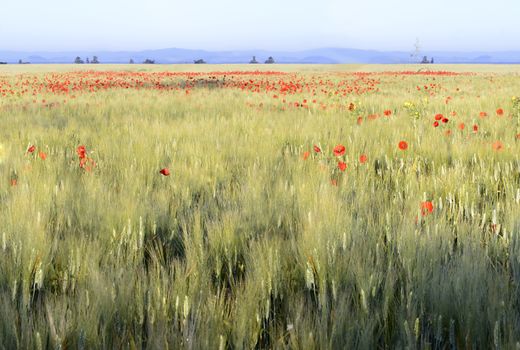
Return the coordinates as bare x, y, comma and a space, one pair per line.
462, 126
363, 159
498, 146
500, 112
426, 208
31, 149
306, 155
42, 155
438, 116
435, 124
351, 107
165, 172
81, 151
445, 120
475, 128
317, 149
483, 114
14, 182
387, 113
359, 120
403, 145
342, 166
339, 150
334, 182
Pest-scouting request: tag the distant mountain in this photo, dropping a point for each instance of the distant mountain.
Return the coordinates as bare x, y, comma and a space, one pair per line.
323, 55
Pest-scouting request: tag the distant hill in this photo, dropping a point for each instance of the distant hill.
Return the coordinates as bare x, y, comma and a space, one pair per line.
323, 55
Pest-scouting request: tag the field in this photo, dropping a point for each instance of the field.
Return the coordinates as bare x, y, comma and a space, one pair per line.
221, 207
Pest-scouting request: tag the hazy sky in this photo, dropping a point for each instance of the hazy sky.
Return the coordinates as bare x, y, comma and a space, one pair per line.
54, 25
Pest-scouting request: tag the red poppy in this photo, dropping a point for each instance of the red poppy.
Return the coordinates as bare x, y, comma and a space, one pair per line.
317, 149
339, 150
475, 128
483, 114
165, 172
81, 151
359, 120
439, 116
388, 112
14, 182
42, 155
445, 120
351, 107
31, 149
426, 208
500, 112
334, 182
462, 126
363, 159
403, 145
342, 166
498, 146
306, 155
435, 124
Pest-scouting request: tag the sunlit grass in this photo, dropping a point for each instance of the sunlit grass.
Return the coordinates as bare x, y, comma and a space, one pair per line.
246, 244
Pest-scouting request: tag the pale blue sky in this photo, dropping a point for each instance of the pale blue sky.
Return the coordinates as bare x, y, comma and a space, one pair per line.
54, 25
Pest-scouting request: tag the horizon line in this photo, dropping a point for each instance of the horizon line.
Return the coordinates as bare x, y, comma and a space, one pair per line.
257, 49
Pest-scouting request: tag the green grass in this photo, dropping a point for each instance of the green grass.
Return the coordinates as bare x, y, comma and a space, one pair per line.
247, 245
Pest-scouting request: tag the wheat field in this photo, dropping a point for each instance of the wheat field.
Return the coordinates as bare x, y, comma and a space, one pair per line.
270, 206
